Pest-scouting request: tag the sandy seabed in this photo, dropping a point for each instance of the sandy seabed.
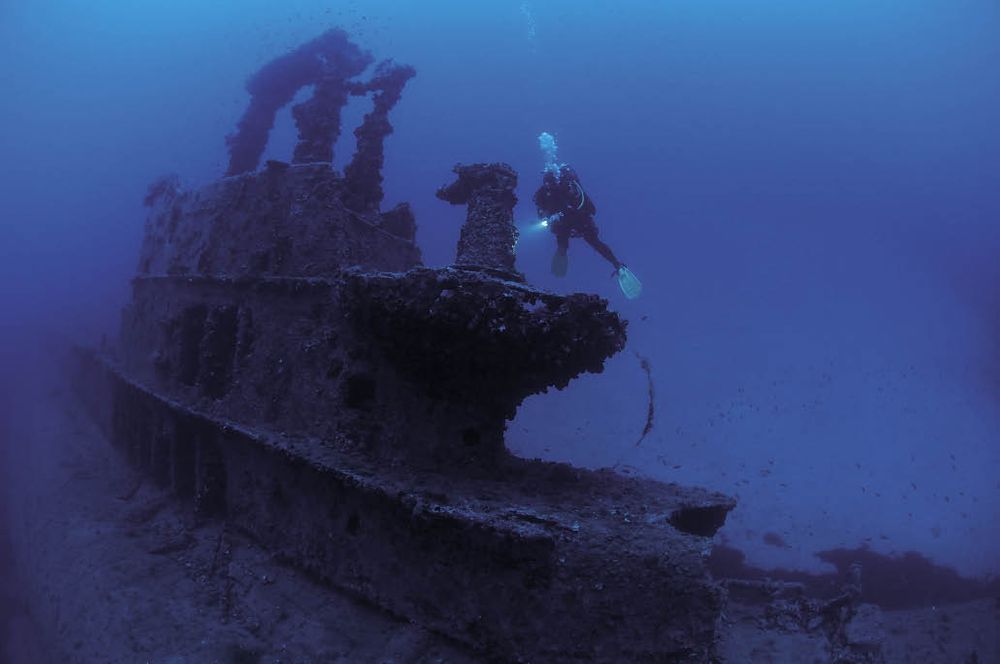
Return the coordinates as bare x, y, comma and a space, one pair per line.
100, 565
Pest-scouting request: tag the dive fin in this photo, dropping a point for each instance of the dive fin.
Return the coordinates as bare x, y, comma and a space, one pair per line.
629, 283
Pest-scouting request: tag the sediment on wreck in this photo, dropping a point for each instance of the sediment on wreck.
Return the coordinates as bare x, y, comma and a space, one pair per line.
326, 62
364, 173
287, 365
488, 236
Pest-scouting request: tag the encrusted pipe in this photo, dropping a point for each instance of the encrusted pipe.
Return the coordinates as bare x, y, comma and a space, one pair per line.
488, 235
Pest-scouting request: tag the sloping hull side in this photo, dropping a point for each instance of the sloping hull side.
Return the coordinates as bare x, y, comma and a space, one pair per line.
514, 586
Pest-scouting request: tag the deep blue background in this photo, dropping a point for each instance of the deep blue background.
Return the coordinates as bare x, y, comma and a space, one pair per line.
808, 190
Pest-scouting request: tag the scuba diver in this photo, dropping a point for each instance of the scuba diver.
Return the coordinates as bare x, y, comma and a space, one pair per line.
567, 211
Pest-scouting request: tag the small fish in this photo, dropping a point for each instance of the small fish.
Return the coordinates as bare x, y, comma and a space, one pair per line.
775, 540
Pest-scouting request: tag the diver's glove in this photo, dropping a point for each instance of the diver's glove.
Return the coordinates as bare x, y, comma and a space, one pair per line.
551, 219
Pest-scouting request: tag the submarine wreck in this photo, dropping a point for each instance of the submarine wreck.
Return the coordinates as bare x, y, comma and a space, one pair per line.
288, 368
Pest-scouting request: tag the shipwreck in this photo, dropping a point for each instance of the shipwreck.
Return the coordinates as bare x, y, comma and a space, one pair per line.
287, 365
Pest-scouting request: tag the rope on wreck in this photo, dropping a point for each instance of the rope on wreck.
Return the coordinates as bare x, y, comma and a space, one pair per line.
650, 414
651, 392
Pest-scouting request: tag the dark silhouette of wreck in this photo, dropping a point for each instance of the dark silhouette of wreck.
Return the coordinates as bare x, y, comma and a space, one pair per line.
286, 364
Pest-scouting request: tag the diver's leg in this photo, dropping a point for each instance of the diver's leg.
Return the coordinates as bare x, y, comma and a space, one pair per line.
560, 261
562, 243
590, 235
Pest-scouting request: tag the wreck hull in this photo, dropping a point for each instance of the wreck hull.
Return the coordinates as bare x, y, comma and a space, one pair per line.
286, 366
387, 364
591, 578
283, 221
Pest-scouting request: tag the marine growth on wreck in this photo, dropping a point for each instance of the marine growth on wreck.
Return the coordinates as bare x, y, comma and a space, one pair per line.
286, 364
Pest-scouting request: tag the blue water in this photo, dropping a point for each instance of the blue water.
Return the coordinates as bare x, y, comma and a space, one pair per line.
807, 189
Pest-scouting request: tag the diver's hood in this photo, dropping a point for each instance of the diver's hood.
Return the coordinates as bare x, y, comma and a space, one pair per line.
565, 171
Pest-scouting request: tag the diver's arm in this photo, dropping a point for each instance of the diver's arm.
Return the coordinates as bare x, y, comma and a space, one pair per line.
551, 201
547, 210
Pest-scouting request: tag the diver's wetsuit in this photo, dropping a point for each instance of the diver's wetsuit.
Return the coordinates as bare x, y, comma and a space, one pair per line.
566, 196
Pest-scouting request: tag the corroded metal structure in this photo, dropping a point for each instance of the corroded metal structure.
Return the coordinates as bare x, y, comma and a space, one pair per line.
286, 364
